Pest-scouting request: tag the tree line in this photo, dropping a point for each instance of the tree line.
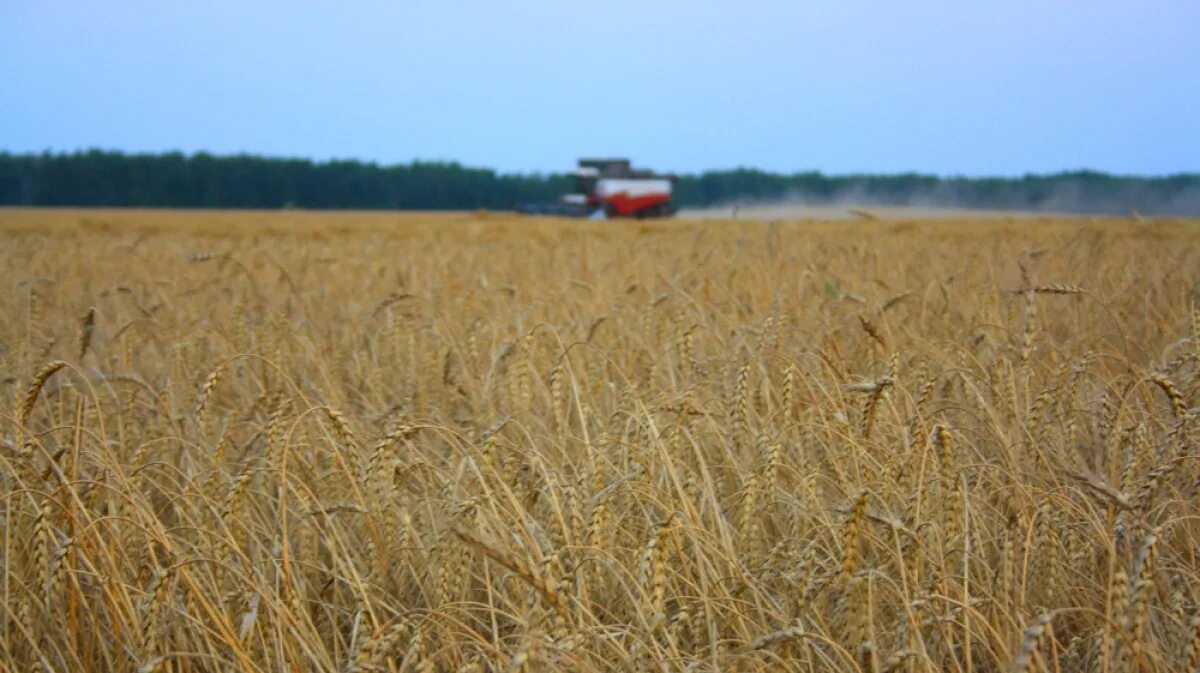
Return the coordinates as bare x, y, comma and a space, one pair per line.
202, 180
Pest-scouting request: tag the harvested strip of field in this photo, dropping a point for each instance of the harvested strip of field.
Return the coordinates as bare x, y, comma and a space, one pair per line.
474, 442
797, 211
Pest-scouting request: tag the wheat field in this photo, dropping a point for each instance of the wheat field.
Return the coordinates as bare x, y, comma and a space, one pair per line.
475, 442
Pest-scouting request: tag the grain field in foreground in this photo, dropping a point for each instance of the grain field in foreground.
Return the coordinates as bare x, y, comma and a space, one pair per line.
373, 442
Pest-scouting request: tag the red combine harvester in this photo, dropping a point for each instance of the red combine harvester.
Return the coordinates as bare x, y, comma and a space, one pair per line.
611, 188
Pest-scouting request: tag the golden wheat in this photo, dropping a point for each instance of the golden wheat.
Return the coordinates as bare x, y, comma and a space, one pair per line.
476, 442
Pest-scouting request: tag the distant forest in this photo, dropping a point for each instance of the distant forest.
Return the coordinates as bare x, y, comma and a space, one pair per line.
177, 180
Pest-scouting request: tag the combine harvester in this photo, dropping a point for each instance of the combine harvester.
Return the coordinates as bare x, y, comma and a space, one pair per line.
611, 188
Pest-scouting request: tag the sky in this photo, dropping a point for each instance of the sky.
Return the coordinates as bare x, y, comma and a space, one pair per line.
950, 87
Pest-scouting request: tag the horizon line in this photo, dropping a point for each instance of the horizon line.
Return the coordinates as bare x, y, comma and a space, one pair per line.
461, 164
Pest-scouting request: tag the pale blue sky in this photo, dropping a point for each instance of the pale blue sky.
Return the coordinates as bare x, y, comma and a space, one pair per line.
944, 87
